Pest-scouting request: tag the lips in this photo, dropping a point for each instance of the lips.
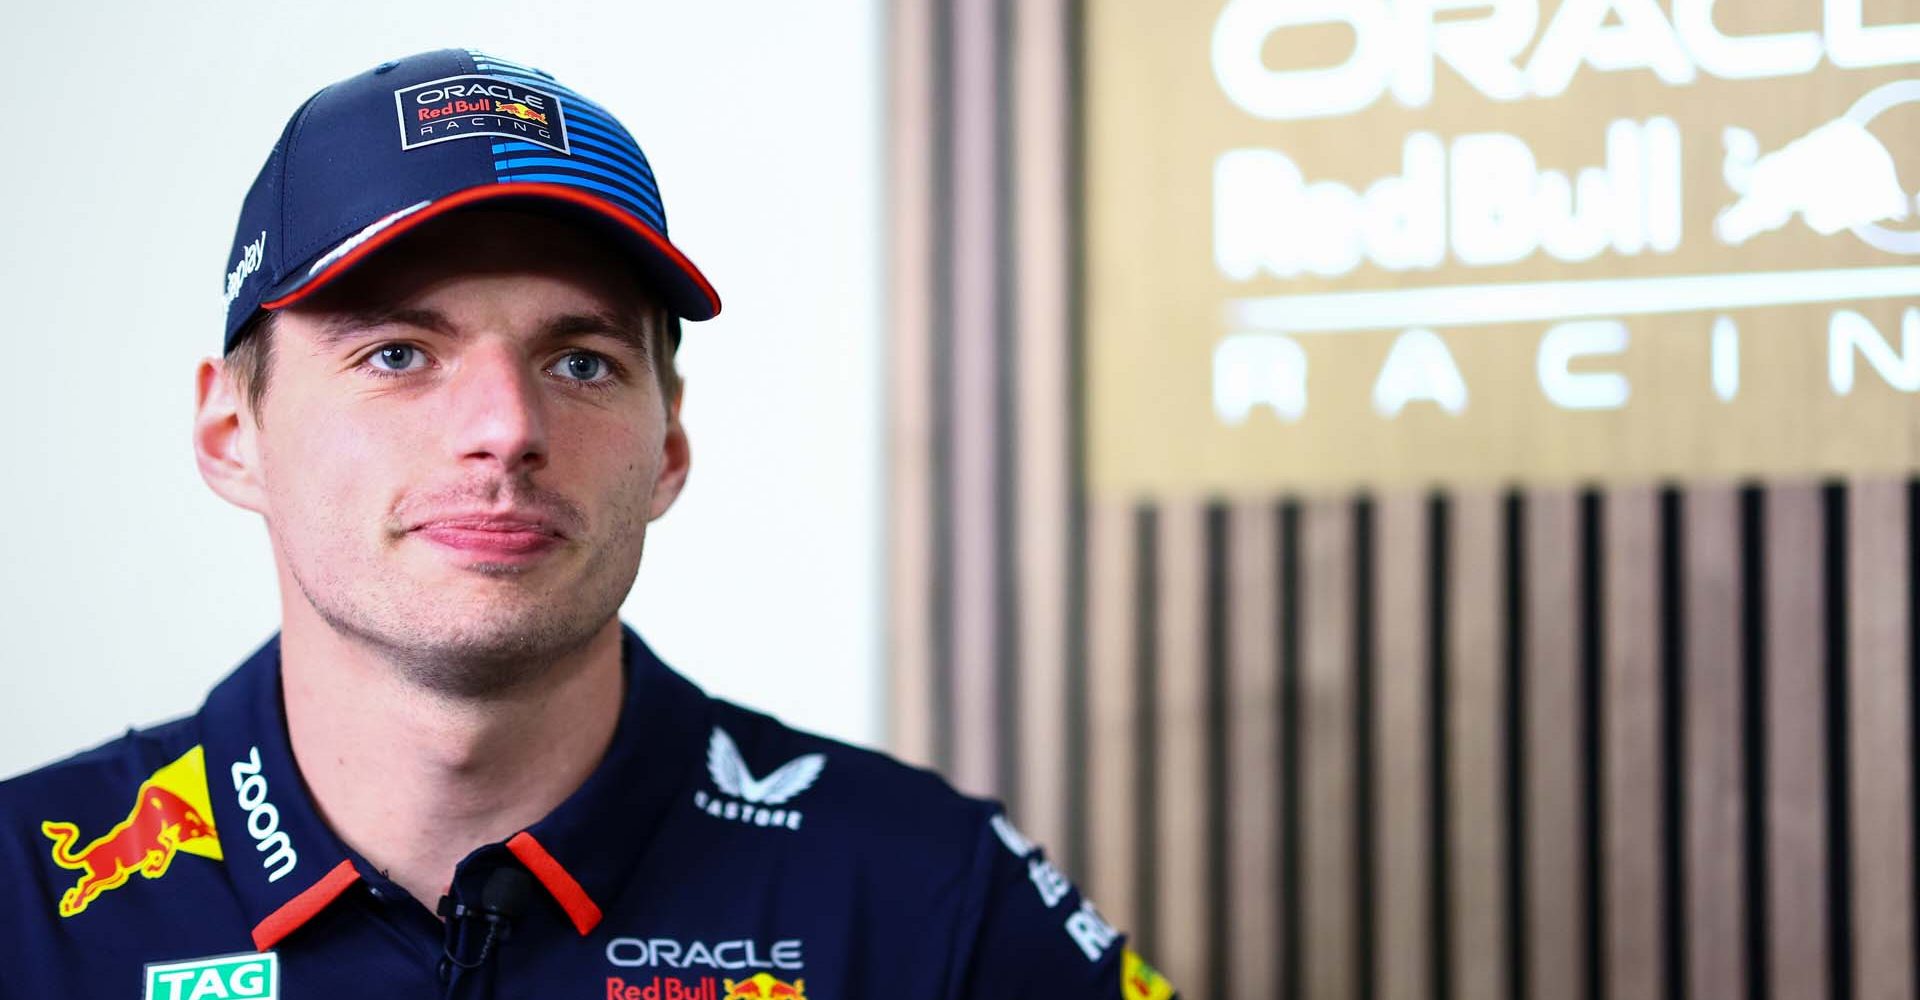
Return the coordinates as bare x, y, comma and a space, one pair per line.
493, 535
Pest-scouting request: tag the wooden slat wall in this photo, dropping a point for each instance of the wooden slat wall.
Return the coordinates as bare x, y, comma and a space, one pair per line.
975, 423
1479, 733
1403, 698
1633, 824
911, 525
1717, 814
1256, 832
1643, 742
1180, 707
1329, 855
1112, 707
1553, 817
1880, 721
1042, 370
1794, 733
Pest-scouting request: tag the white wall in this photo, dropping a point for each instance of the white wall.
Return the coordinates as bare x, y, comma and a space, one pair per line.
127, 588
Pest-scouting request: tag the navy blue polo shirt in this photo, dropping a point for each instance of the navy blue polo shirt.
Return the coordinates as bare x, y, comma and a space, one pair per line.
714, 854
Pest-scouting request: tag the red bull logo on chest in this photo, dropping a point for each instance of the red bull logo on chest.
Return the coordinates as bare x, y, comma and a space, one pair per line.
763, 986
1140, 981
171, 813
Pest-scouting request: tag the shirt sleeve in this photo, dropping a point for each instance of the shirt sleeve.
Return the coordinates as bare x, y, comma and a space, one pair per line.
1037, 937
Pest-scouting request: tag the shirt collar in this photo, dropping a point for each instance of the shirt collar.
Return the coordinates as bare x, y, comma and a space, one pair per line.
582, 852
585, 850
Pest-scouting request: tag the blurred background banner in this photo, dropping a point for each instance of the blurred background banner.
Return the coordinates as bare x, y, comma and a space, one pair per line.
1384, 243
1415, 499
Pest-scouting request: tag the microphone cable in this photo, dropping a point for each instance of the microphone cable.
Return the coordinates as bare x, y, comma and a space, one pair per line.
503, 899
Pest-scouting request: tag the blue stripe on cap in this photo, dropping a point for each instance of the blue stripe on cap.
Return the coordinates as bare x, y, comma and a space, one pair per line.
578, 105
534, 76
549, 83
603, 126
623, 153
482, 57
523, 162
640, 171
592, 149
610, 139
483, 61
600, 150
602, 156
596, 114
624, 196
623, 170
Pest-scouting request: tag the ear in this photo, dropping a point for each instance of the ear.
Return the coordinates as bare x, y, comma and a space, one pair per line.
224, 444
675, 458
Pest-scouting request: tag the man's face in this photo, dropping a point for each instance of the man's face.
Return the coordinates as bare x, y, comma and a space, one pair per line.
462, 443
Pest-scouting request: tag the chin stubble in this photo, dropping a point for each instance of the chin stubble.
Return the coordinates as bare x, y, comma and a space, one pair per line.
488, 658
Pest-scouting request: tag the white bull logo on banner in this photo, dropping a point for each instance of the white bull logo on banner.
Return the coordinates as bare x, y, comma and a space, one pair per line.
1837, 176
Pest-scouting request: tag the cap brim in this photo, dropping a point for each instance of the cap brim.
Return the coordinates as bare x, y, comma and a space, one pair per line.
680, 285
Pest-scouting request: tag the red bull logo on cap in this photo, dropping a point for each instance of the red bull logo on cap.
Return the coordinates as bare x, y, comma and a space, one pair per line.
170, 814
764, 987
479, 104
522, 112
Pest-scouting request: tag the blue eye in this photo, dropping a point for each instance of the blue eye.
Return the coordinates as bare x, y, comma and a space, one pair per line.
582, 367
397, 357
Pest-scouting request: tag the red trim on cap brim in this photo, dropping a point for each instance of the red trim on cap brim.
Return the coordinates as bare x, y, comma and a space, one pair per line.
516, 189
302, 908
565, 890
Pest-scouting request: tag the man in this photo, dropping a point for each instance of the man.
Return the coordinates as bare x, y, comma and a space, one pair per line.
448, 390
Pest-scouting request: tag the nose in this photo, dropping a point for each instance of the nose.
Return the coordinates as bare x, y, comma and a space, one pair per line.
497, 414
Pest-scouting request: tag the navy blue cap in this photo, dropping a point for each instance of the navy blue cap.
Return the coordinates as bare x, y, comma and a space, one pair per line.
370, 157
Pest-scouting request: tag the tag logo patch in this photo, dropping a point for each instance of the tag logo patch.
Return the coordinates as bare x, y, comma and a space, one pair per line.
463, 107
251, 975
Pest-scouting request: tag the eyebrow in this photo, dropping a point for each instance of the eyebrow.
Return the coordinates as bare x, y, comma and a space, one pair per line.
348, 325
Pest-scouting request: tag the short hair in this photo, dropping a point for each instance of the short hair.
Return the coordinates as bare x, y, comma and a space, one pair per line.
250, 361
